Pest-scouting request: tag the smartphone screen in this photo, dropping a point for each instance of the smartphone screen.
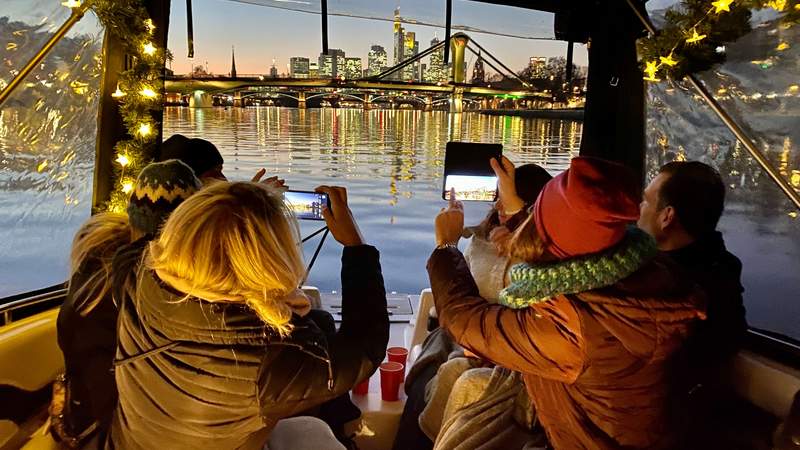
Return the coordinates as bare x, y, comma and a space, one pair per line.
467, 170
478, 188
306, 205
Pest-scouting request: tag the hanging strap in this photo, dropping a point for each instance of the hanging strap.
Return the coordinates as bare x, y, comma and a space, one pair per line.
147, 354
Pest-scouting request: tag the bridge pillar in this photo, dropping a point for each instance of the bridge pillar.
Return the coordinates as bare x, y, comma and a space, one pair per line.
237, 99
458, 43
429, 103
457, 101
301, 100
367, 101
200, 99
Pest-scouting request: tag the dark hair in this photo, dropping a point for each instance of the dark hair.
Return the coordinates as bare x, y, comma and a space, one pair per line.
696, 192
199, 154
530, 180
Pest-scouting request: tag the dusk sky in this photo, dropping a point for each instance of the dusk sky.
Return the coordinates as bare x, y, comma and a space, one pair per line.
261, 33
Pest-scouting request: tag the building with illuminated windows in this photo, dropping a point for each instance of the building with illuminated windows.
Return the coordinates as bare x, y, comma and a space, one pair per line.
352, 68
298, 67
376, 60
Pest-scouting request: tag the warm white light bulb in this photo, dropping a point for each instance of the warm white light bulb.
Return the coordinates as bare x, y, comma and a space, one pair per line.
145, 129
148, 92
149, 49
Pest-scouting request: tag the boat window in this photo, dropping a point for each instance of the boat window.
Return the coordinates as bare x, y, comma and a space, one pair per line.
388, 153
47, 142
381, 34
758, 87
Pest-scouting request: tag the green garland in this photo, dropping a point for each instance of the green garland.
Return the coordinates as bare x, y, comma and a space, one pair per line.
138, 91
694, 34
536, 283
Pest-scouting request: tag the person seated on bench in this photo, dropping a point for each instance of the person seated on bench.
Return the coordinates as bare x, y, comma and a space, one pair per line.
594, 346
87, 321
216, 346
680, 209
441, 358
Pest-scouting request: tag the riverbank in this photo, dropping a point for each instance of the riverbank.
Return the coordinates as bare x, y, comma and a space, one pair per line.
561, 114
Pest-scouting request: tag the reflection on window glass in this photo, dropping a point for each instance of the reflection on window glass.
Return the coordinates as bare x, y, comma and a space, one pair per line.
47, 138
758, 86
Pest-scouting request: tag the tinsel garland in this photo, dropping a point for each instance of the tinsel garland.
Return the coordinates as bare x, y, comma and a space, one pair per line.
138, 91
694, 34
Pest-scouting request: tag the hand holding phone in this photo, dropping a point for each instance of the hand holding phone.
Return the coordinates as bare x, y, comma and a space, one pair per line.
339, 218
508, 200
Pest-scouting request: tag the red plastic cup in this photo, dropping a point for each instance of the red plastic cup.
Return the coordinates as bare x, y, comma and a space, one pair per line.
398, 354
362, 388
391, 373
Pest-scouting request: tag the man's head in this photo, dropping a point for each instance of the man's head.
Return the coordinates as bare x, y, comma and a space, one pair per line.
682, 203
201, 155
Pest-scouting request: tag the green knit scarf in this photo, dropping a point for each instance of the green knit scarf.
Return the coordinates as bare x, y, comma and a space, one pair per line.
536, 283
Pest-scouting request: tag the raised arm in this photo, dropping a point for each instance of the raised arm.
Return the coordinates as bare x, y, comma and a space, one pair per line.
293, 381
545, 339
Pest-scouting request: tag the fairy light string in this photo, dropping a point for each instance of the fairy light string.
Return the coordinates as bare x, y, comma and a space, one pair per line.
138, 90
694, 35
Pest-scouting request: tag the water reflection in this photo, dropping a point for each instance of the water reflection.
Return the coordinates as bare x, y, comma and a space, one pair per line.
390, 161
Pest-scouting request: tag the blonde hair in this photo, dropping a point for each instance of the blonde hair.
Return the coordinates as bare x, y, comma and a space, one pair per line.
98, 238
233, 242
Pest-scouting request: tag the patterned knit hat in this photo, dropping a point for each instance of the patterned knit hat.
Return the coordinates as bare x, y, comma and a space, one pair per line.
160, 188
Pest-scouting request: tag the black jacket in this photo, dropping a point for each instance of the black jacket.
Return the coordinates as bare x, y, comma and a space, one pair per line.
718, 273
220, 379
87, 342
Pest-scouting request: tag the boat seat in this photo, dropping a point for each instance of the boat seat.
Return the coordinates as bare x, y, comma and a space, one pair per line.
765, 383
29, 361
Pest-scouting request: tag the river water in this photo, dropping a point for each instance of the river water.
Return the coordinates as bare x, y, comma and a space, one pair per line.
390, 161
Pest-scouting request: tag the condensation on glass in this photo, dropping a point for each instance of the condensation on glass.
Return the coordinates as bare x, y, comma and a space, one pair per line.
758, 86
47, 138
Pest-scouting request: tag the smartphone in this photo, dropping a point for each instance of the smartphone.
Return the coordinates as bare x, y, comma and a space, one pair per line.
307, 205
467, 170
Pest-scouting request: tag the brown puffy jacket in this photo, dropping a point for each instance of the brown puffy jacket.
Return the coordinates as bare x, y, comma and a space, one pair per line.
596, 364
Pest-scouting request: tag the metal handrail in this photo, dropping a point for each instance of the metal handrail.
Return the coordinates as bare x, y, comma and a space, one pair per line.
75, 16
731, 124
7, 308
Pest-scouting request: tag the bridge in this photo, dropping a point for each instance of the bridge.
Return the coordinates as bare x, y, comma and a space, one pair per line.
368, 91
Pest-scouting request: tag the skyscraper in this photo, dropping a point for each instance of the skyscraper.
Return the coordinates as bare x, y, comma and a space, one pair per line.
332, 64
376, 60
398, 42
325, 65
478, 71
352, 68
313, 69
410, 49
436, 70
298, 67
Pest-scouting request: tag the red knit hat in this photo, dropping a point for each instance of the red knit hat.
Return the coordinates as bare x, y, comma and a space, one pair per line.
587, 208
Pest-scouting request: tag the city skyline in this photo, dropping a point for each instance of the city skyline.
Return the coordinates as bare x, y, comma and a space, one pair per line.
268, 34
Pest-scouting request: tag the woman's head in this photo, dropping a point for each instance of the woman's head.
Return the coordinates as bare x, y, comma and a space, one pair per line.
160, 188
529, 179
234, 242
97, 239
